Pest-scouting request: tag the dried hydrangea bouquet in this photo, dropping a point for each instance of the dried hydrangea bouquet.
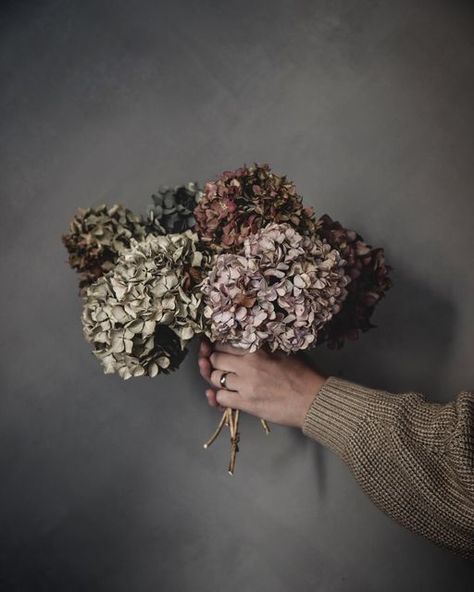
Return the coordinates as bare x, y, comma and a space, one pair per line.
241, 262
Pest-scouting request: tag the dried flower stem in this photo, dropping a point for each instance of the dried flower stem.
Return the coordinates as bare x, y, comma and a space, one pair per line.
227, 414
222, 422
230, 418
235, 437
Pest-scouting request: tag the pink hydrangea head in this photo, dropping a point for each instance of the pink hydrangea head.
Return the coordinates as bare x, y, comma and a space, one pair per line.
277, 294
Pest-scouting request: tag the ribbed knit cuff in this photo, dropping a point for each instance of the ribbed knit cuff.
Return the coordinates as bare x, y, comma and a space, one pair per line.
336, 412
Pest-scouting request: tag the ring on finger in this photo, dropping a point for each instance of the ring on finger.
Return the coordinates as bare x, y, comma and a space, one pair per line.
223, 380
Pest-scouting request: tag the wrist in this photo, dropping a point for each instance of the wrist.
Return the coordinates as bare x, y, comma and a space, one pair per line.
313, 385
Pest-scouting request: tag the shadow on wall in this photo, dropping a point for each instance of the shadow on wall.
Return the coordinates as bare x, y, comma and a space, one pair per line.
408, 351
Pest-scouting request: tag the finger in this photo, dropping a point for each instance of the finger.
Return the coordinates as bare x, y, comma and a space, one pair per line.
211, 397
205, 368
227, 398
223, 361
231, 380
230, 349
205, 348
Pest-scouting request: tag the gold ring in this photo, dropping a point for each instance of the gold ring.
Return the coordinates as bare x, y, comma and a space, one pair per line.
222, 381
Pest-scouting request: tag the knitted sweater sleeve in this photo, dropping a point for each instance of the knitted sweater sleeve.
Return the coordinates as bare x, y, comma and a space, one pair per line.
413, 458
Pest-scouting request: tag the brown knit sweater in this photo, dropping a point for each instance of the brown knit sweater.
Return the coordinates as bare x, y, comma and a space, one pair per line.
413, 458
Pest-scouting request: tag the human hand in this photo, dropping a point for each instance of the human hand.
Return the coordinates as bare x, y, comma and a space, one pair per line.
275, 387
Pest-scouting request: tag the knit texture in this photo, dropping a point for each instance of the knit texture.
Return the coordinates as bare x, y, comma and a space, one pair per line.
413, 458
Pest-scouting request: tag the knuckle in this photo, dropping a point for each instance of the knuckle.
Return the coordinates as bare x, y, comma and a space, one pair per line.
213, 358
252, 374
221, 397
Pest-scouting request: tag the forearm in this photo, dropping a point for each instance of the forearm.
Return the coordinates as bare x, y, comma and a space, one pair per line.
413, 458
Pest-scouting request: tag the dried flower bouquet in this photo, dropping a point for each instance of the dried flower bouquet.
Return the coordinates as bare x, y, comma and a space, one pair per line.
241, 261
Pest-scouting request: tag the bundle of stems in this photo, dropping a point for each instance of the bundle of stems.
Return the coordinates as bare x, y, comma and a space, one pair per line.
230, 418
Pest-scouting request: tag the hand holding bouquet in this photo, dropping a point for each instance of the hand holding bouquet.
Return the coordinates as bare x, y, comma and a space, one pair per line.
242, 262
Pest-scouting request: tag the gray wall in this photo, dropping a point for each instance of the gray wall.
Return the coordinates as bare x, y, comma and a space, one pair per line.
368, 106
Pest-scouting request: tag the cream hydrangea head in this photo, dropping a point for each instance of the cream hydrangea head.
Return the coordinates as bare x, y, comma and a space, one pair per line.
278, 293
140, 316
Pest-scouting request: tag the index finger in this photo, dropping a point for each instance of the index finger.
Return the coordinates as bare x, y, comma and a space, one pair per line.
230, 349
205, 348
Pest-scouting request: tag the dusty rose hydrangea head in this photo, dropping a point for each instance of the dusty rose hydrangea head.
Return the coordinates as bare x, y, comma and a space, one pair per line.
241, 202
277, 294
369, 282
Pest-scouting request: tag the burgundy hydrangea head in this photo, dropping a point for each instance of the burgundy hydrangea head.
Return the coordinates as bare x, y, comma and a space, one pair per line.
369, 282
241, 202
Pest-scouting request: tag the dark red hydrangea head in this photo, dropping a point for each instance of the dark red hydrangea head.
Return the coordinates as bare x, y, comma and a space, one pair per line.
369, 282
240, 202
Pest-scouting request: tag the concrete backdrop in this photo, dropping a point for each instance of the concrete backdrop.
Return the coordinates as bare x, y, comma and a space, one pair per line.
368, 106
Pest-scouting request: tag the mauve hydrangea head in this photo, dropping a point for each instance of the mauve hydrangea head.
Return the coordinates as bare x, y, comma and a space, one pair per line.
241, 202
277, 294
370, 280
